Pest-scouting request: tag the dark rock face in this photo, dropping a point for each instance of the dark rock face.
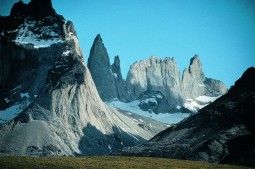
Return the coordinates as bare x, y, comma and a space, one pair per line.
154, 101
49, 105
120, 85
36, 8
100, 68
222, 132
108, 78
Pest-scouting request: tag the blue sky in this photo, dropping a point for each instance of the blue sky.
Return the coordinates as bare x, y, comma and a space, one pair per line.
221, 32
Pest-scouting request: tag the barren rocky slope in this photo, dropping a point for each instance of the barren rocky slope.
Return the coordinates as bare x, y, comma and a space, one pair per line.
48, 101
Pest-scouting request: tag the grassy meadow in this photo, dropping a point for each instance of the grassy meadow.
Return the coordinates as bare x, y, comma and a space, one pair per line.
111, 162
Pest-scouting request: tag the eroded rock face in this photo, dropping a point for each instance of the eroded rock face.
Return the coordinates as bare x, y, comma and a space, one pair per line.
156, 74
163, 75
154, 102
222, 132
48, 101
196, 84
193, 79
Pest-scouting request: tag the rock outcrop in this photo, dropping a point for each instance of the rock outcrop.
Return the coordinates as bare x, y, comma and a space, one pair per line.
107, 77
154, 102
156, 74
49, 105
153, 75
222, 132
196, 84
163, 75
120, 84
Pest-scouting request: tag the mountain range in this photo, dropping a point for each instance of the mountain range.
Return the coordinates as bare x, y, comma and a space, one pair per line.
153, 75
54, 104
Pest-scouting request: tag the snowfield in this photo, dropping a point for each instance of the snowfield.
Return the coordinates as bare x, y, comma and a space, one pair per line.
170, 118
133, 107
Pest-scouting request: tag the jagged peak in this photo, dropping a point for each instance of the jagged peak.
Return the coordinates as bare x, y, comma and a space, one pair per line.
98, 41
98, 38
195, 59
35, 8
195, 67
18, 7
98, 53
116, 61
153, 57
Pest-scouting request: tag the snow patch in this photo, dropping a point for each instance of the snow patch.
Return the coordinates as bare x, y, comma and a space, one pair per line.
159, 96
11, 112
115, 75
7, 100
178, 107
66, 53
153, 100
201, 85
24, 95
26, 36
206, 99
70, 33
110, 147
192, 105
199, 102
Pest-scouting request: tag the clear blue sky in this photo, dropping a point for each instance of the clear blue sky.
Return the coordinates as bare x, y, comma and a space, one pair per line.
221, 32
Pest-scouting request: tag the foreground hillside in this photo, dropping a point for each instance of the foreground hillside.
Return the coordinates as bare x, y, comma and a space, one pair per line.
105, 162
222, 132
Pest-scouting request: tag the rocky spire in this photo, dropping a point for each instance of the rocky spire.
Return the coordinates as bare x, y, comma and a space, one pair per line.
116, 67
196, 84
121, 88
195, 69
100, 68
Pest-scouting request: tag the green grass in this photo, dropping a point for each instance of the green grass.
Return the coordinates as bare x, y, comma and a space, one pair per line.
104, 162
